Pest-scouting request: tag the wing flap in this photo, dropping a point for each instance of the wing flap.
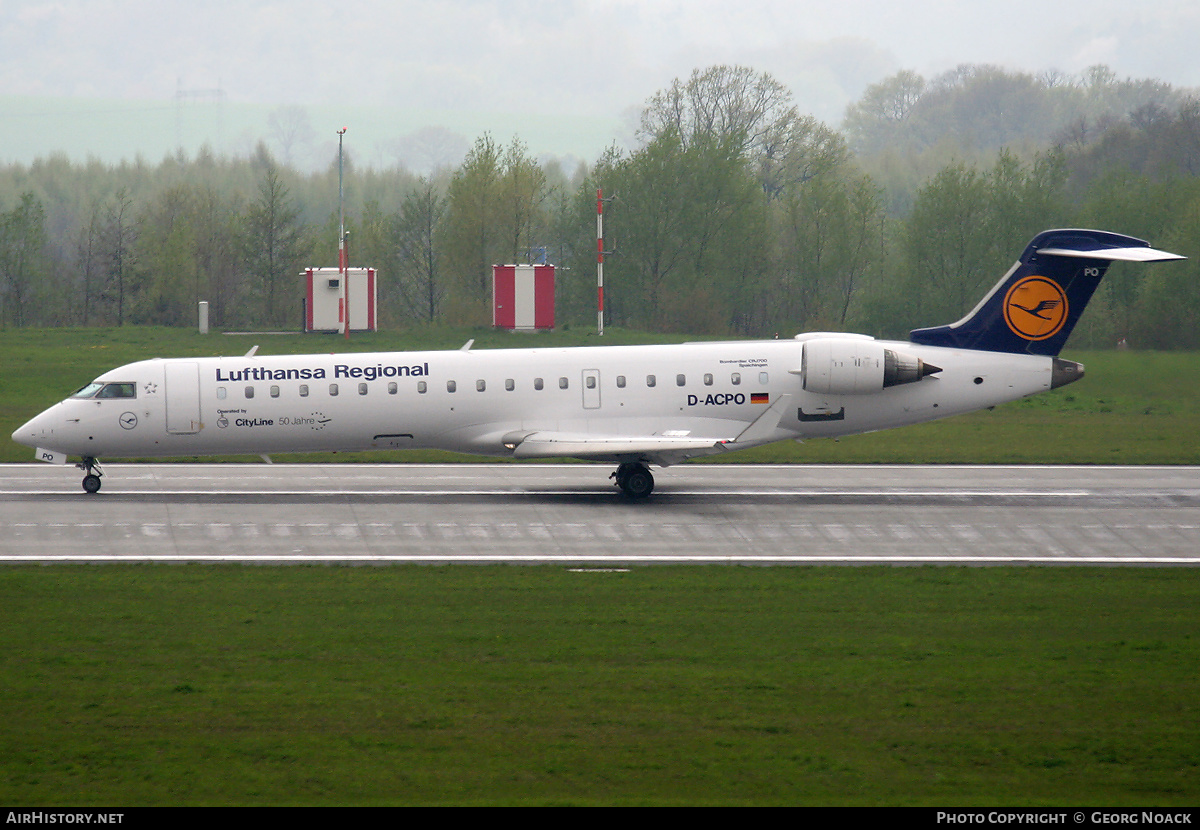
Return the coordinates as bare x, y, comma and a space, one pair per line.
553, 444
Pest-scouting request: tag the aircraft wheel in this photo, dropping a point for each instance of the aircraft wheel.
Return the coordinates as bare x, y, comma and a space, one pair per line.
619, 476
91, 483
637, 483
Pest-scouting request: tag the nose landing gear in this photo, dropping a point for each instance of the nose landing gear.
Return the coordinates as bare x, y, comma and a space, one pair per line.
634, 479
92, 473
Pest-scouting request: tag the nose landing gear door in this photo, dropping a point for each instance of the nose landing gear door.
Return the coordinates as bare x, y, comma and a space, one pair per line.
183, 397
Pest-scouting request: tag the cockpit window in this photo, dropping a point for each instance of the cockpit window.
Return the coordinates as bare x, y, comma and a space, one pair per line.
118, 390
89, 390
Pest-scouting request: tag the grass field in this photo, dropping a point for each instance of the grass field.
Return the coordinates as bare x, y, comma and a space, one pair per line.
1131, 408
509, 685
172, 685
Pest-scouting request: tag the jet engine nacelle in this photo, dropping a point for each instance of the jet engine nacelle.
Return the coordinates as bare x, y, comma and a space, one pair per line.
844, 366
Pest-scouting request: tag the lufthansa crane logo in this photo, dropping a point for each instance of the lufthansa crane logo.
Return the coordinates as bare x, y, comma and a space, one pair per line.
1035, 308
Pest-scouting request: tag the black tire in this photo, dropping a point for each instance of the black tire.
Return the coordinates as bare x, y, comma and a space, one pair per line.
638, 483
91, 483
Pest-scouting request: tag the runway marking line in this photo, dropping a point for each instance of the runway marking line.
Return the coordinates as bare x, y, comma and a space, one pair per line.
636, 558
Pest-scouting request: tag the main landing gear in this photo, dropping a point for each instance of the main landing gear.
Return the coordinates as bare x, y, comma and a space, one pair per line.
635, 480
92, 473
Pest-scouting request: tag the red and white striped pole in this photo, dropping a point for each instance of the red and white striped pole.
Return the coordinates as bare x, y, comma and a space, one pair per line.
342, 239
599, 262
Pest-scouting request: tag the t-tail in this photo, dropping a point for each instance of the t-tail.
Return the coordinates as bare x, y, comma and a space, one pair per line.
1034, 308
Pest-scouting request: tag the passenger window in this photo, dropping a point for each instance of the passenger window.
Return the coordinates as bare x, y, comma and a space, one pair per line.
736, 378
762, 378
708, 379
451, 386
392, 388
650, 380
590, 380
333, 390
680, 380
249, 391
537, 384
620, 381
304, 390
562, 383
274, 391
480, 385
422, 387
362, 389
220, 393
509, 385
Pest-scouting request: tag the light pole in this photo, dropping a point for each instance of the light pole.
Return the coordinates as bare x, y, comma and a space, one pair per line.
342, 238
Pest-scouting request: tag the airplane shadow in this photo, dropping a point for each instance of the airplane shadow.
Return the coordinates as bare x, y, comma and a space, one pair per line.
612, 499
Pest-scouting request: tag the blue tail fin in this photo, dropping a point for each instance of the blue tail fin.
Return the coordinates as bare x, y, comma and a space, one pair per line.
1034, 308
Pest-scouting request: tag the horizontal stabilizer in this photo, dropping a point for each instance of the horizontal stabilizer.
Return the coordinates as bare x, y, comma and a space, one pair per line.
1114, 254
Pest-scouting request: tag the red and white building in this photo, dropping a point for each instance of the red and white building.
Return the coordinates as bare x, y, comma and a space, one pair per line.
523, 297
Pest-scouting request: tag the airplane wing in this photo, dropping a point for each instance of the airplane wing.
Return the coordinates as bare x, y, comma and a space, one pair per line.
660, 449
664, 449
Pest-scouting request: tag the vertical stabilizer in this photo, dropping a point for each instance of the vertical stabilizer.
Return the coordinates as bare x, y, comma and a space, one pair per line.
1034, 308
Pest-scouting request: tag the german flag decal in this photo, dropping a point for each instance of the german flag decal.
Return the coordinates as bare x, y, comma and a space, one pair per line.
760, 397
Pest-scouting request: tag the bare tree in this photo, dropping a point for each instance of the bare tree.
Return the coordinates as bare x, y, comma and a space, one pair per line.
291, 130
876, 117
87, 258
118, 237
429, 149
720, 104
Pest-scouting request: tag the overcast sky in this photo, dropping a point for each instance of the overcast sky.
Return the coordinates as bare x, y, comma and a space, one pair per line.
576, 57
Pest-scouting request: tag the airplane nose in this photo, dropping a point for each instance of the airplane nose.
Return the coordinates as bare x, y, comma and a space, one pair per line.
34, 430
27, 433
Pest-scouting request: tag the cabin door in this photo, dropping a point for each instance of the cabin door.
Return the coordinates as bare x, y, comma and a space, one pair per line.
591, 388
183, 397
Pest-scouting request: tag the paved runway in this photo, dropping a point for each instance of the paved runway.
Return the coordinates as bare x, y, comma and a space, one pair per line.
520, 513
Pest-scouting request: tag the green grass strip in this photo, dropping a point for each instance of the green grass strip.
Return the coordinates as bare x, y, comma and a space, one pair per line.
145, 685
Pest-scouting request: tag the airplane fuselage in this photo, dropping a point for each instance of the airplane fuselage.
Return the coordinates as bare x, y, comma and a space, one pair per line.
472, 401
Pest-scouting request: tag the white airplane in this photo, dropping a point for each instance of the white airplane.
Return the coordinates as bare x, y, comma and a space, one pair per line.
635, 406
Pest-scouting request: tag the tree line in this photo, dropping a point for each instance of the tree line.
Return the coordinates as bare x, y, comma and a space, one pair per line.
735, 213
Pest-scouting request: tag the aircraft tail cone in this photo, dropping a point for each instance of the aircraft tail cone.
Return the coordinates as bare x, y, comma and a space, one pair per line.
1064, 372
